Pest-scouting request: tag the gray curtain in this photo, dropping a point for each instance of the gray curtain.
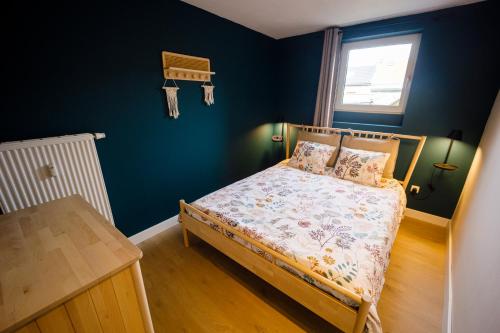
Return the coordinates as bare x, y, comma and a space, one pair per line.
325, 99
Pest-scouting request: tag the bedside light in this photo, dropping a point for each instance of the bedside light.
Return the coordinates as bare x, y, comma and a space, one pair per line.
279, 138
444, 166
455, 134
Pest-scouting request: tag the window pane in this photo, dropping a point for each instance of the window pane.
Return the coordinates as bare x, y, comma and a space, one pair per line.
376, 75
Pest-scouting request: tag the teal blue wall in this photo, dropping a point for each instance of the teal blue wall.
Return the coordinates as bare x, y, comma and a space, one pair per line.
454, 86
86, 67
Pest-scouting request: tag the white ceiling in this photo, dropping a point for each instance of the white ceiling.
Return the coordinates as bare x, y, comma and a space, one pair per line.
285, 18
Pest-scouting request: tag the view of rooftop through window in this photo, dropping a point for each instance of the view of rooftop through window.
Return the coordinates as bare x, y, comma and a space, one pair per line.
376, 75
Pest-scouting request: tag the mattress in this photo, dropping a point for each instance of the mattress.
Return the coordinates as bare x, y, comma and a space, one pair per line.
337, 228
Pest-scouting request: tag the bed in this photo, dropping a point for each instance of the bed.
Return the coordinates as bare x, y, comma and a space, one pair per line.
322, 240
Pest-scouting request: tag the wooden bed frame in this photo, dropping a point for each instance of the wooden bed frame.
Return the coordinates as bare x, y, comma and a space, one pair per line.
346, 318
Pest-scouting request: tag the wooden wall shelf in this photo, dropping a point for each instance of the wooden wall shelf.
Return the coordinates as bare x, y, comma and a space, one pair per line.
445, 166
178, 66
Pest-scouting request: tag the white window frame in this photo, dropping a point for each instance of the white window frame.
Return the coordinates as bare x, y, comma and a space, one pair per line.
414, 39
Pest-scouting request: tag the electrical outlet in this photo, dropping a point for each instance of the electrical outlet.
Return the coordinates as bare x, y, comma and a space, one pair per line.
415, 189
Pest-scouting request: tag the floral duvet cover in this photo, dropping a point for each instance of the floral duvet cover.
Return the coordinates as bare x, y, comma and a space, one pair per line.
339, 229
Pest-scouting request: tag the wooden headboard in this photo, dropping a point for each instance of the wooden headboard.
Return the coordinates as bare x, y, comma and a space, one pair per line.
363, 134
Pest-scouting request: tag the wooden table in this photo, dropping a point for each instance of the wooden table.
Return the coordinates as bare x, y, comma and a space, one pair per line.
64, 268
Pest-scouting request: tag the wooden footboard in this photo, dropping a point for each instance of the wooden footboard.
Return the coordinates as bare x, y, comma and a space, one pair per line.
346, 318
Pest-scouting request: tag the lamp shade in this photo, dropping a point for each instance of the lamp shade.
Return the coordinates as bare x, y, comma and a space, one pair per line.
455, 134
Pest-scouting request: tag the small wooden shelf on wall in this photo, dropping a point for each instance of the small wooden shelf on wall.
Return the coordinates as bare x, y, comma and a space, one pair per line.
185, 67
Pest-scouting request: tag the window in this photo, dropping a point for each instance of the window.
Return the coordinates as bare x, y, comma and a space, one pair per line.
375, 75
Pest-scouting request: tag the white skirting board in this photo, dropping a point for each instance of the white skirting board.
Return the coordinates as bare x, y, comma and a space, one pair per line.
426, 217
154, 230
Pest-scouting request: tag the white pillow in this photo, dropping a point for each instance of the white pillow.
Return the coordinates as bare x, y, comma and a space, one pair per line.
311, 156
360, 166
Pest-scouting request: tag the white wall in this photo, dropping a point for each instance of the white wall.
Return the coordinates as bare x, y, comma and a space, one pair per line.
475, 260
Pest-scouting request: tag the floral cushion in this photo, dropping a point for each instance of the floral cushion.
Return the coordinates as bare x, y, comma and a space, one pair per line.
361, 166
311, 156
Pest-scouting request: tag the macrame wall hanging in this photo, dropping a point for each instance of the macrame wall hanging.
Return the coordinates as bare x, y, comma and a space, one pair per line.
178, 66
173, 105
209, 93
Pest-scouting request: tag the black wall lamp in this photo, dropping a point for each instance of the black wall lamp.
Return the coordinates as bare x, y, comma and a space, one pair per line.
455, 134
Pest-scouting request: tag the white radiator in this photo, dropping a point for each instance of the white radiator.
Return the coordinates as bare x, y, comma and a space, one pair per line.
36, 171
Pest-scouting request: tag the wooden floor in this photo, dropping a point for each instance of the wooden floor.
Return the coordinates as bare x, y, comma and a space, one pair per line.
200, 290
